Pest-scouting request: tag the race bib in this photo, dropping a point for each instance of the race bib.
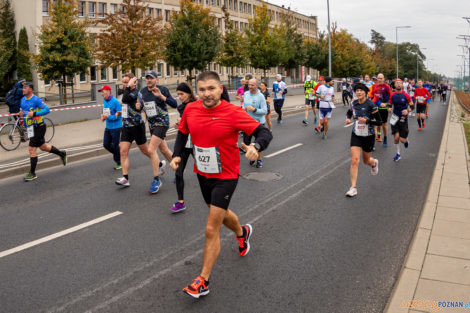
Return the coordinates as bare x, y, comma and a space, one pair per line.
444, 92
361, 130
279, 94
150, 108
421, 99
344, 87
311, 97
124, 110
208, 160
394, 119
107, 111
30, 131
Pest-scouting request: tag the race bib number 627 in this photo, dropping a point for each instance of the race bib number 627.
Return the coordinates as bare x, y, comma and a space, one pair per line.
208, 160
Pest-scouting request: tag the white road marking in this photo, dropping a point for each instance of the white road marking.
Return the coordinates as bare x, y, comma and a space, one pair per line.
59, 234
283, 150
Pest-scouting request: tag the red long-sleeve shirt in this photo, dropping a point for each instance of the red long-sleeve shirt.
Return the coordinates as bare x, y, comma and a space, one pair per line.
422, 95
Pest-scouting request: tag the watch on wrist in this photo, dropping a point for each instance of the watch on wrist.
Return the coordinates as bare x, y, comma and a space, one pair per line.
256, 145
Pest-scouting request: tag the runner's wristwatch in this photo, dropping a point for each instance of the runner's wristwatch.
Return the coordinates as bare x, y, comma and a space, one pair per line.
256, 145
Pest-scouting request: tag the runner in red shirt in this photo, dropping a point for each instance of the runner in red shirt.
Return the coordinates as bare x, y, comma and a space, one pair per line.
321, 81
214, 125
380, 94
422, 95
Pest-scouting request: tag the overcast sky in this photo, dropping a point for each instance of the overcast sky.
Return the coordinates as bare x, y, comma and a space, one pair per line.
435, 24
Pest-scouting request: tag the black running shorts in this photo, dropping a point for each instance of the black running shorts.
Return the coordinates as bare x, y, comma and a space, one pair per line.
217, 192
383, 115
366, 143
39, 135
421, 108
159, 131
401, 128
137, 133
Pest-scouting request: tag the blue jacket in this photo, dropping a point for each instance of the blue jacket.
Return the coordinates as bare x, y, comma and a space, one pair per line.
113, 105
259, 103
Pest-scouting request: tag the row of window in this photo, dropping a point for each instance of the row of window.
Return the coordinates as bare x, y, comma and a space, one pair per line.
116, 74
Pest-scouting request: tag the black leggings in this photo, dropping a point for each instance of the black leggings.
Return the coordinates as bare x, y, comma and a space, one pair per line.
278, 103
180, 171
345, 98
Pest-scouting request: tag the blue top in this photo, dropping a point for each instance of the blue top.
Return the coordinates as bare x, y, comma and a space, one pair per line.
279, 90
258, 101
400, 102
113, 106
34, 104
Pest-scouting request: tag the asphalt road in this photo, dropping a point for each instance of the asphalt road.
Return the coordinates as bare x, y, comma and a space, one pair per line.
313, 249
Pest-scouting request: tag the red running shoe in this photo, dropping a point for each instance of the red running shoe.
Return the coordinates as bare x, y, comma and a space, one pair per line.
199, 287
244, 241
419, 129
424, 125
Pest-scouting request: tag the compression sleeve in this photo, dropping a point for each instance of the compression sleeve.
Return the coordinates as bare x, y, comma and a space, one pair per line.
45, 110
349, 114
375, 119
180, 143
262, 137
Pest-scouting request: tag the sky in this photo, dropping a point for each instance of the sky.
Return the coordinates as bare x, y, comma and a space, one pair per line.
435, 24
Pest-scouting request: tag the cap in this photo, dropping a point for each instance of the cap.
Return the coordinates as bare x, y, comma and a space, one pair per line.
29, 84
321, 78
360, 86
279, 75
309, 77
374, 77
20, 80
151, 74
105, 87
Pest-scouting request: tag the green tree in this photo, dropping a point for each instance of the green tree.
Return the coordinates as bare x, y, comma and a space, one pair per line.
316, 54
7, 45
378, 40
23, 64
193, 40
293, 54
131, 38
64, 46
232, 53
263, 42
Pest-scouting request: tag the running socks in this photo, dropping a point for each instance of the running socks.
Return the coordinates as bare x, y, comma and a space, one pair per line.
397, 145
156, 178
56, 151
126, 176
34, 162
419, 122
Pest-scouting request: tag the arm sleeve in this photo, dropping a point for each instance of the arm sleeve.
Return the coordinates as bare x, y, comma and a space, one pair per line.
44, 110
169, 99
262, 137
180, 143
349, 114
129, 95
375, 119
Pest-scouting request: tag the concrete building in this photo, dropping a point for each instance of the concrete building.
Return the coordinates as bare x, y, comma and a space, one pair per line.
33, 13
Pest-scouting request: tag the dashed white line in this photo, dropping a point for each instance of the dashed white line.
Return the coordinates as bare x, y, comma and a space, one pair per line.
283, 150
59, 234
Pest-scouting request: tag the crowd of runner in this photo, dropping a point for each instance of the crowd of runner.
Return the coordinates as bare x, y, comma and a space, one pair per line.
209, 129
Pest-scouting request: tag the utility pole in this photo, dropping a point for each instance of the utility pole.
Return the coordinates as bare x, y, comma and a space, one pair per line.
329, 38
396, 40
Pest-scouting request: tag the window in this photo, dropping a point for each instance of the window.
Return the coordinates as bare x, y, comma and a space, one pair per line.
159, 13
218, 3
83, 77
221, 70
226, 70
236, 25
241, 7
104, 74
230, 4
93, 73
249, 8
113, 8
235, 5
167, 15
215, 67
91, 9
47, 82
159, 69
197, 72
150, 12
183, 73
45, 10
69, 79
175, 73
115, 73
168, 70
81, 9
101, 9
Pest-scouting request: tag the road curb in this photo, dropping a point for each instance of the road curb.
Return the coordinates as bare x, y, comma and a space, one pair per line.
407, 281
23, 169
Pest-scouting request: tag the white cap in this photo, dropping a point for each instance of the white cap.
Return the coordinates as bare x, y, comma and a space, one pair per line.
279, 75
309, 77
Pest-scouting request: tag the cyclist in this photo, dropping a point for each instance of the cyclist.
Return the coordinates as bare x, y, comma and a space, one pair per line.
33, 109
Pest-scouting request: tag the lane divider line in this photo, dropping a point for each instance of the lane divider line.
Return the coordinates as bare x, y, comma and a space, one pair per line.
283, 150
58, 234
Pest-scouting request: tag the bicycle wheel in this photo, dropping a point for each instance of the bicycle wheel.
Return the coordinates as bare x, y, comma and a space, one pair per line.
50, 129
10, 137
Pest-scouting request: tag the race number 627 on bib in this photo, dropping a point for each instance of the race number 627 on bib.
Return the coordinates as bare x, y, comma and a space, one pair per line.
208, 160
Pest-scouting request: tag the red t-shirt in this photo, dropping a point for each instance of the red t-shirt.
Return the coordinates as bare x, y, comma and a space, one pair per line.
422, 92
380, 93
218, 127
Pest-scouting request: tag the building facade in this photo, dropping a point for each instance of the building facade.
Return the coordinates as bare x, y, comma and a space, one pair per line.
240, 11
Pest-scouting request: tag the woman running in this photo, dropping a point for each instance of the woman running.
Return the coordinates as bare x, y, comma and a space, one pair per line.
185, 94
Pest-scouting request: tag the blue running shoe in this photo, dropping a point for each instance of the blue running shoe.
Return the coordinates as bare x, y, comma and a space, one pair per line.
397, 157
252, 163
155, 187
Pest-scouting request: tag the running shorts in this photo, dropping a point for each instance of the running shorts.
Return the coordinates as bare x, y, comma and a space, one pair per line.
217, 192
421, 108
39, 135
366, 143
137, 133
383, 115
310, 102
401, 127
325, 112
159, 131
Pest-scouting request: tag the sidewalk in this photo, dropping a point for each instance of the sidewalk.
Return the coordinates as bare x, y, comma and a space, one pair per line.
436, 271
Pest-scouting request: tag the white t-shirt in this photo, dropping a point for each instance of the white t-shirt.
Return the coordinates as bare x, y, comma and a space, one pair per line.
328, 92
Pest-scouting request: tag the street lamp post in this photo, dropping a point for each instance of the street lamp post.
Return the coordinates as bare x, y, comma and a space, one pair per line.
396, 39
463, 77
329, 38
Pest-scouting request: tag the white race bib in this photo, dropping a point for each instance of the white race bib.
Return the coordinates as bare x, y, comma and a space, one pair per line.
311, 97
150, 108
344, 87
420, 99
124, 110
107, 111
30, 131
394, 119
361, 130
208, 160
444, 92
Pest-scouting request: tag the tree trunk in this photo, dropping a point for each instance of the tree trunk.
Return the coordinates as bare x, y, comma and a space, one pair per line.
64, 85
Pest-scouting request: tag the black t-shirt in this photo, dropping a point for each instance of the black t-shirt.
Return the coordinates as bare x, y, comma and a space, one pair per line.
155, 108
364, 110
129, 98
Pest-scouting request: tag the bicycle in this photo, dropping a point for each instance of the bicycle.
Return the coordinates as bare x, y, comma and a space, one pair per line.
14, 132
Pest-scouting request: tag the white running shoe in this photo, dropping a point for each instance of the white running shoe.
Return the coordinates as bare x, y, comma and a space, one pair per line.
352, 192
122, 182
375, 169
163, 168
